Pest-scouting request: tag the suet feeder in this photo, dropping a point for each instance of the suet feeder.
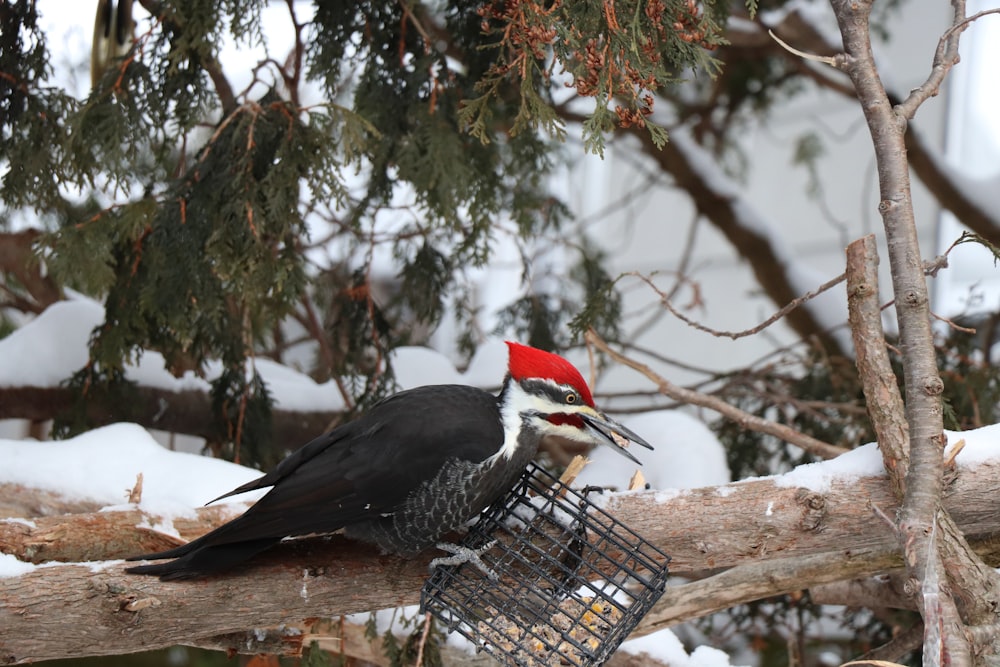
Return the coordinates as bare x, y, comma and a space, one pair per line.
565, 583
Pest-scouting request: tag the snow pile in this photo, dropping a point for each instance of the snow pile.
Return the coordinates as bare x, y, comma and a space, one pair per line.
418, 366
980, 445
865, 461
101, 466
51, 347
665, 647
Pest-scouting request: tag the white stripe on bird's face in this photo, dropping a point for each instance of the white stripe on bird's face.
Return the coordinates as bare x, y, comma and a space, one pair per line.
523, 409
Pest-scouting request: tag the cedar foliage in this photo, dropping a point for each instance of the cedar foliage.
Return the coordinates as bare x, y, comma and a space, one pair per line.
186, 204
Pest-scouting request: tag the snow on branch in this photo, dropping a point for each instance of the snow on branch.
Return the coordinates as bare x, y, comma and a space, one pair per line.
38, 358
762, 537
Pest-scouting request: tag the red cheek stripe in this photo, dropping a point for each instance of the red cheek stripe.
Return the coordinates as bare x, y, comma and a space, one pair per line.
560, 419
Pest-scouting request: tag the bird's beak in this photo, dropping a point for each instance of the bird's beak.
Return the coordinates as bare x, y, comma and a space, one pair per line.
610, 432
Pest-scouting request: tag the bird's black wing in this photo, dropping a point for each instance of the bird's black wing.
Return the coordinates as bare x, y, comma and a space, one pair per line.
368, 466
360, 470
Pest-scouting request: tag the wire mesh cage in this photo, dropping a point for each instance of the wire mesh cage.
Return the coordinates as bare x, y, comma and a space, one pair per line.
566, 581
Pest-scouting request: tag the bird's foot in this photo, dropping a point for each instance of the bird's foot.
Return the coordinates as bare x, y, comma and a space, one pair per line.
460, 555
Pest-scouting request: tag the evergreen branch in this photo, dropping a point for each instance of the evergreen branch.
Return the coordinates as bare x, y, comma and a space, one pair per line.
211, 65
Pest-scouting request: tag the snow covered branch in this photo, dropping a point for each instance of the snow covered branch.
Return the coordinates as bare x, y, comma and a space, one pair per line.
189, 412
762, 537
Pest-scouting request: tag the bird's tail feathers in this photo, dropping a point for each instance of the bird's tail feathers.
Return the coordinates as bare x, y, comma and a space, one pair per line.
176, 552
201, 561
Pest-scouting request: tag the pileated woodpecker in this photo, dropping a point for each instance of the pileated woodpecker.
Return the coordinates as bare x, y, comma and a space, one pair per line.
417, 465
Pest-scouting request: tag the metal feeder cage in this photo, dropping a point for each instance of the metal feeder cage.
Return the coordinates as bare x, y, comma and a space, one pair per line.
569, 582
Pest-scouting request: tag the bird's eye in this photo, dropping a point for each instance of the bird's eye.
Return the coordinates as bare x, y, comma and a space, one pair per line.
570, 397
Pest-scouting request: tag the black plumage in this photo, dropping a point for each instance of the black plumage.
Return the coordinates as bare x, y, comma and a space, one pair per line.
374, 477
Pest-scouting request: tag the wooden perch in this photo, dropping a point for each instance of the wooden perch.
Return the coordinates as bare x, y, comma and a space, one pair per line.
778, 538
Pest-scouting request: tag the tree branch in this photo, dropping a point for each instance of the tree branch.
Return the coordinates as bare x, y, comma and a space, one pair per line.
780, 536
885, 404
17, 257
681, 158
945, 57
94, 536
724, 210
745, 419
188, 412
735, 335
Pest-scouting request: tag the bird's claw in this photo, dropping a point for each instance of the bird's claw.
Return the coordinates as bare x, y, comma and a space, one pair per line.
461, 555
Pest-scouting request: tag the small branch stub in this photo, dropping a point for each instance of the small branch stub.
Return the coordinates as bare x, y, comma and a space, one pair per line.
829, 60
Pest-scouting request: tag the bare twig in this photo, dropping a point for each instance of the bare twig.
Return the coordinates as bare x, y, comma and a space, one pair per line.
787, 308
808, 443
681, 280
135, 493
423, 639
945, 57
721, 203
952, 324
829, 60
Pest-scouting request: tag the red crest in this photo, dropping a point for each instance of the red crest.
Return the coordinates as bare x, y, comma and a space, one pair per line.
530, 362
